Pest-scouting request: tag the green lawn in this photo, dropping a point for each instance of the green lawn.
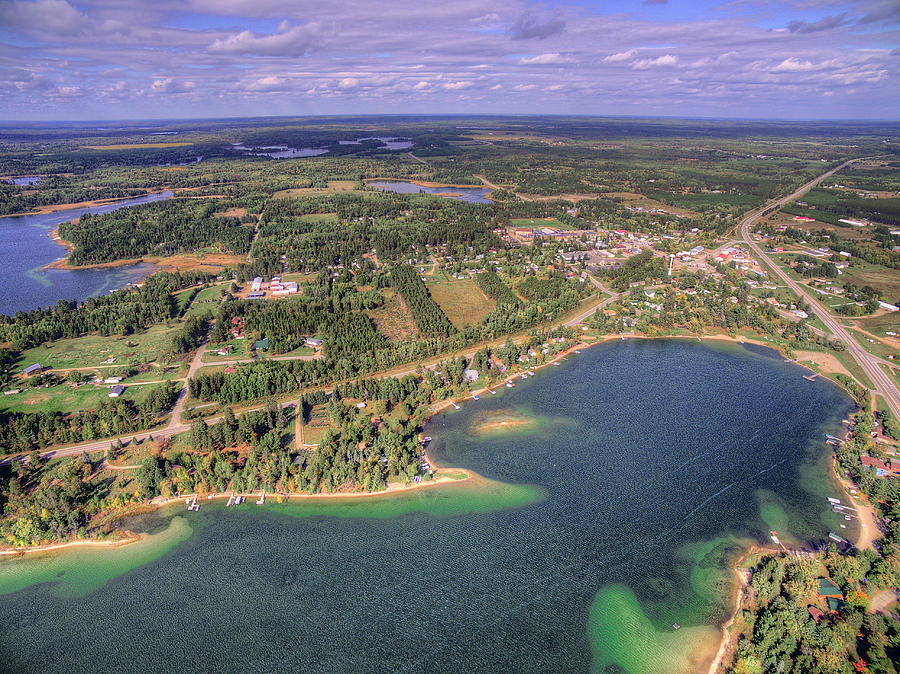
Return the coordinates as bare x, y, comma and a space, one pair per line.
65, 398
207, 301
94, 350
461, 300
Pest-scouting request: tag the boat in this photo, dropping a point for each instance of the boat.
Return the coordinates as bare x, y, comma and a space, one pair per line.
427, 438
474, 397
835, 537
834, 500
493, 392
509, 384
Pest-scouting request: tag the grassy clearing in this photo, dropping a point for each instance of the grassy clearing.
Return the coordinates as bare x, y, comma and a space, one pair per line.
462, 301
874, 346
313, 432
333, 186
880, 323
94, 350
133, 146
207, 301
65, 398
883, 279
540, 222
238, 349
393, 318
320, 218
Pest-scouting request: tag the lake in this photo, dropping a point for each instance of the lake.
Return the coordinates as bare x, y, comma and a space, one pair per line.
474, 195
27, 248
623, 482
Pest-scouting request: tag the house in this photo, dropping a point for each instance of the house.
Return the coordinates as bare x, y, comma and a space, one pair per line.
882, 468
827, 589
231, 369
817, 614
256, 284
31, 369
888, 307
116, 391
112, 380
261, 344
313, 342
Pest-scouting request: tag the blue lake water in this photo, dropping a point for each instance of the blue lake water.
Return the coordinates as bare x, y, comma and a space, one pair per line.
653, 461
27, 248
474, 195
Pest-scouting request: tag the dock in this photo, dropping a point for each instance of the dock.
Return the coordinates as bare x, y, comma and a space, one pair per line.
808, 377
230, 500
455, 406
194, 506
262, 499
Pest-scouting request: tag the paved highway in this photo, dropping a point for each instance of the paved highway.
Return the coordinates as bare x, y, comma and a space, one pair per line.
884, 385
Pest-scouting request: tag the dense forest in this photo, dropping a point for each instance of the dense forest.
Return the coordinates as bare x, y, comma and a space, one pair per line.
24, 432
120, 313
428, 315
160, 228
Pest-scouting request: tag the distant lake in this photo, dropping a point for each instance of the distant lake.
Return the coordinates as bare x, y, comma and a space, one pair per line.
474, 195
26, 180
280, 151
643, 468
390, 142
27, 247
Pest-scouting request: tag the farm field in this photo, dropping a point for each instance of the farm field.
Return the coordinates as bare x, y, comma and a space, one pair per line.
66, 398
881, 278
878, 324
95, 350
333, 186
461, 300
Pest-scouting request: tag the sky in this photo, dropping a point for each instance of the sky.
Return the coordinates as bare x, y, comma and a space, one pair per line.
134, 59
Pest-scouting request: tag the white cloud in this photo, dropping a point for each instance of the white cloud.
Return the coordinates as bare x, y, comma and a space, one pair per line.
420, 85
462, 84
620, 56
169, 85
348, 83
524, 87
793, 65
269, 83
544, 59
666, 61
296, 41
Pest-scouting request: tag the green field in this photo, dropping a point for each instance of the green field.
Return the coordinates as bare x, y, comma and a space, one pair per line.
540, 222
881, 278
462, 301
878, 325
65, 398
207, 301
93, 350
320, 218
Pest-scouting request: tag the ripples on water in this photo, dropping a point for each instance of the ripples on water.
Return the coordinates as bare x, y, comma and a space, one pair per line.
654, 458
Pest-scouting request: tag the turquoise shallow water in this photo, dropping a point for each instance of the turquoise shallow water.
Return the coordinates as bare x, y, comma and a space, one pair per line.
649, 462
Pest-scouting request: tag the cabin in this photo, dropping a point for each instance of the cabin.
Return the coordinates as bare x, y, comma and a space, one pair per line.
313, 342
261, 344
816, 614
827, 590
116, 391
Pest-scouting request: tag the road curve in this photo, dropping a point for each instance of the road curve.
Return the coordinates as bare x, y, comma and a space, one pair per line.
883, 384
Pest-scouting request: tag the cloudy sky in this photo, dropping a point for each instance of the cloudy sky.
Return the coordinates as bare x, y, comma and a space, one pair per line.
133, 59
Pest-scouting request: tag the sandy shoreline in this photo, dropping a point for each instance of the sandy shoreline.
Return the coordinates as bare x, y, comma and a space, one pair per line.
16, 552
